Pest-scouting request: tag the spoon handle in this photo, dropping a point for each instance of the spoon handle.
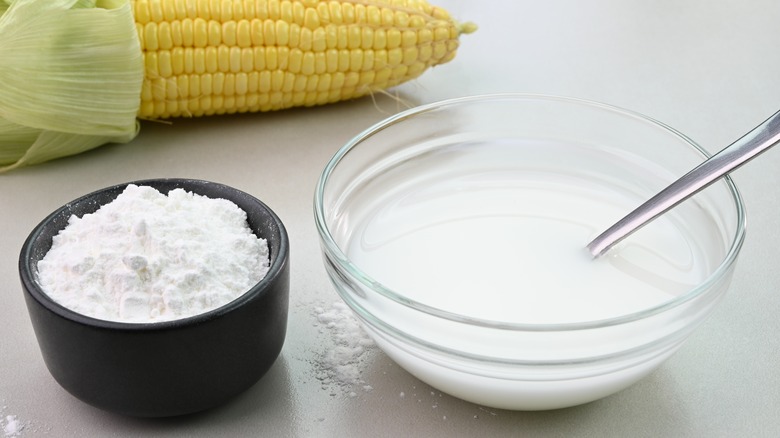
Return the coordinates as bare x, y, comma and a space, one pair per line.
761, 138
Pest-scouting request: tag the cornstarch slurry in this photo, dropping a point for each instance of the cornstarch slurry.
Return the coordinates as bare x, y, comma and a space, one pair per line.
148, 257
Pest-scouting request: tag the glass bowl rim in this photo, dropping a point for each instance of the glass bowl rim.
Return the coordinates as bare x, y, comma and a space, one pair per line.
335, 252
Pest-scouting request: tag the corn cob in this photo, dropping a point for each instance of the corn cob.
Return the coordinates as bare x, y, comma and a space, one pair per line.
207, 57
99, 65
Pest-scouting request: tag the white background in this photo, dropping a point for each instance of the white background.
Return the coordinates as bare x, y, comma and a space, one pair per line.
710, 69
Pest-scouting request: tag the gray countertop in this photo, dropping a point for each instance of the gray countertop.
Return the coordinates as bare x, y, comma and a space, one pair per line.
710, 69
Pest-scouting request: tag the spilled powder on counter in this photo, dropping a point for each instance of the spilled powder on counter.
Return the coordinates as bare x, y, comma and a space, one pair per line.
10, 424
341, 364
148, 257
14, 426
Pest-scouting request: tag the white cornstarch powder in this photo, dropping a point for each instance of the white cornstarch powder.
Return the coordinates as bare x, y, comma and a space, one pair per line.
343, 362
149, 257
12, 427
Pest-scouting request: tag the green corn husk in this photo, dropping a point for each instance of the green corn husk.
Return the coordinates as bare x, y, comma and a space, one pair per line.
70, 75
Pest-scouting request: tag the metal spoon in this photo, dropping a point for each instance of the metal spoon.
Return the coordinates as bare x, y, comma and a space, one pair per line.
738, 153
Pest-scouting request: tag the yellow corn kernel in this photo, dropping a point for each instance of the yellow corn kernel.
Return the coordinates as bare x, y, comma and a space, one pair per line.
156, 11
169, 11
183, 86
211, 59
164, 67
241, 84
247, 61
177, 61
176, 34
222, 59
225, 56
244, 33
199, 32
187, 33
228, 33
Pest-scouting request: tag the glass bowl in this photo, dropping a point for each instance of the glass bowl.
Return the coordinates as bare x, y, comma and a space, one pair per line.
456, 232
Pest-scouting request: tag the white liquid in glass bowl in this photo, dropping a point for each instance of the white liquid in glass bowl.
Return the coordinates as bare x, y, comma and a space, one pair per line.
488, 221
456, 232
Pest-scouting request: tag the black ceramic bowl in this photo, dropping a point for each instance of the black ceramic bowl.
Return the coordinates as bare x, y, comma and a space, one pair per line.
163, 368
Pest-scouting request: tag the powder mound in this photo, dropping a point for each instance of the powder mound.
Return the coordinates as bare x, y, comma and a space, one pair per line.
343, 362
149, 257
11, 426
